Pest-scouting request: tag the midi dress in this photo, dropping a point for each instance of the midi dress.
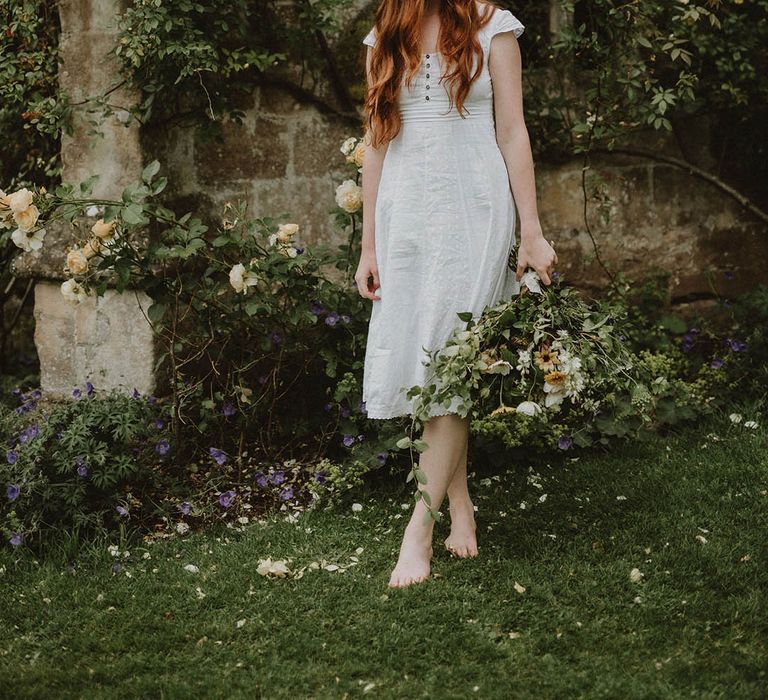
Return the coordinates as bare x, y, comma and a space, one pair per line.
444, 228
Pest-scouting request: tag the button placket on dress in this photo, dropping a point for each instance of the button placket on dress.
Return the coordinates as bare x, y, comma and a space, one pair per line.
426, 86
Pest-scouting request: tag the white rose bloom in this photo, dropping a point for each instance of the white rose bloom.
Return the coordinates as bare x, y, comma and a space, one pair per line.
531, 280
289, 251
499, 367
73, 292
529, 408
735, 417
241, 279
349, 196
348, 146
555, 394
29, 240
750, 424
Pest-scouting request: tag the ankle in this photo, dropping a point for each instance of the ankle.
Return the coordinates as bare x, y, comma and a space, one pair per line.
460, 503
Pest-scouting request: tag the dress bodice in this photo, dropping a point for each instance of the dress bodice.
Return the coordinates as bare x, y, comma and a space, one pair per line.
427, 97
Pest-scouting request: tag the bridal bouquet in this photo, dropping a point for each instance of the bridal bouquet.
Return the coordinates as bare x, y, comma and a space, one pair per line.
544, 368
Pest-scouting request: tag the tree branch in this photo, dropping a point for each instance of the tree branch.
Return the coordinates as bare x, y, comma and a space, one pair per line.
691, 170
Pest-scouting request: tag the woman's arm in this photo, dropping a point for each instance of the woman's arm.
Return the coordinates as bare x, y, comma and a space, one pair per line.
505, 66
373, 159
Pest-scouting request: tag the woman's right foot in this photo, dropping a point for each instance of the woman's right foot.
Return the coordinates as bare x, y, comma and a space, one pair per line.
462, 541
413, 564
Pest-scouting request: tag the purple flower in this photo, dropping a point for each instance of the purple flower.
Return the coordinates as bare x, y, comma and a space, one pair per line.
381, 457
219, 455
361, 407
728, 275
15, 539
12, 457
621, 337
349, 440
332, 318
121, 510
159, 423
226, 498
320, 477
36, 394
316, 307
736, 345
151, 400
163, 447
345, 412
117, 567
16, 392
278, 477
328, 406
299, 251
228, 410
29, 433
136, 393
261, 479
185, 507
82, 470
717, 363
89, 389
263, 379
276, 337
555, 274
565, 442
13, 492
76, 393
286, 494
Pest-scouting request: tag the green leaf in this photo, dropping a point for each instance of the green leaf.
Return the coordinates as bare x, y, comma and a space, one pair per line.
673, 323
133, 214
150, 171
156, 312
403, 442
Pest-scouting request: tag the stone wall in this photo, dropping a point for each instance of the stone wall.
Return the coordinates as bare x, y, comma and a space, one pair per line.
284, 161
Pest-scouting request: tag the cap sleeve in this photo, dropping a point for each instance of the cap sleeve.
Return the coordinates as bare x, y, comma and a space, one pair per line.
503, 21
370, 37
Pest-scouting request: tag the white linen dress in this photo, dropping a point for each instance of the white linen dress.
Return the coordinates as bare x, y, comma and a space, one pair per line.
444, 228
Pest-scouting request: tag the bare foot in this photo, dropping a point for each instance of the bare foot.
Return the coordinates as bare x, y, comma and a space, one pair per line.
415, 555
462, 541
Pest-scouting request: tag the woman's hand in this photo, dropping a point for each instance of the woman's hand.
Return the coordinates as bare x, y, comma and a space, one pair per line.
535, 252
366, 269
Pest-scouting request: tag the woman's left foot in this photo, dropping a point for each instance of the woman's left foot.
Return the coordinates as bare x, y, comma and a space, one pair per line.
462, 542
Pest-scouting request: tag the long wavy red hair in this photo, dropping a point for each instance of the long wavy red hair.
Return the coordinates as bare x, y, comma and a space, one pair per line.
397, 54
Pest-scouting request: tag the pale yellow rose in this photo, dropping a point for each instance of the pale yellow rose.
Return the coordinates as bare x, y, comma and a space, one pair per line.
92, 247
19, 201
286, 232
102, 229
26, 218
357, 155
77, 262
349, 196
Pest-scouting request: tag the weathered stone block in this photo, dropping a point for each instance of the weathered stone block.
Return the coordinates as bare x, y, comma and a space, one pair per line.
105, 340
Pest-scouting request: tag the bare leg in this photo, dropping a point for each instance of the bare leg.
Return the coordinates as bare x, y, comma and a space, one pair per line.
462, 541
446, 437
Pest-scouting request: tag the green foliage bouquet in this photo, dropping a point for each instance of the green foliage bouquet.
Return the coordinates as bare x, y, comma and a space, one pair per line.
544, 368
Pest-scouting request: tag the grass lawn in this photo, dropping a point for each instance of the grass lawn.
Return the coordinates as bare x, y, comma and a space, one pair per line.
689, 511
